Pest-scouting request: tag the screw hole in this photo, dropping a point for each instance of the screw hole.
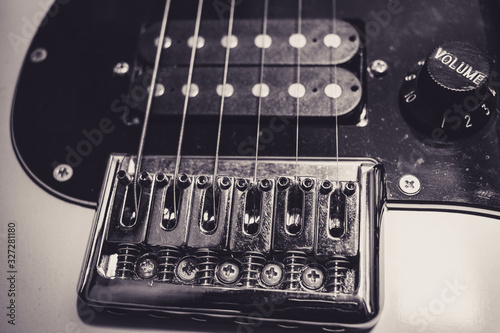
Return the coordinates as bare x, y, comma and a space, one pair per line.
352, 38
354, 88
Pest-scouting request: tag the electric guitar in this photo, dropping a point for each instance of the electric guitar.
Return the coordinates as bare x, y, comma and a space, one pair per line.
240, 156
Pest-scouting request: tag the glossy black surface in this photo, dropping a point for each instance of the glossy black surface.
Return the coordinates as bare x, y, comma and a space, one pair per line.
74, 91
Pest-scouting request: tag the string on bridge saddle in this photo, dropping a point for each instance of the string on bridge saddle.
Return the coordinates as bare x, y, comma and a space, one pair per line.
261, 80
152, 88
194, 47
223, 96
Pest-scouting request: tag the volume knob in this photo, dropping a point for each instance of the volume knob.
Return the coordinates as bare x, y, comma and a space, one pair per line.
447, 96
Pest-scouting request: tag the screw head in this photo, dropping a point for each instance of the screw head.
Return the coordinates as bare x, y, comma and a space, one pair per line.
121, 68
183, 180
379, 68
283, 183
228, 272
186, 269
225, 182
349, 188
202, 181
265, 185
409, 185
241, 184
146, 266
307, 184
161, 179
271, 274
145, 179
63, 173
326, 186
313, 277
38, 55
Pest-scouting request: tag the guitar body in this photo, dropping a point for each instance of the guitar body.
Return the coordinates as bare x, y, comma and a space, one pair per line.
73, 107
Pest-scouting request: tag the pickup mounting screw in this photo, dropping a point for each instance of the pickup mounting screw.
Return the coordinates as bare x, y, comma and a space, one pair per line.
313, 278
379, 68
38, 55
271, 274
228, 272
409, 185
63, 172
121, 68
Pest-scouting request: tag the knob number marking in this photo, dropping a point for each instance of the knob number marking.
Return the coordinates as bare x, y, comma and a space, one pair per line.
487, 109
410, 97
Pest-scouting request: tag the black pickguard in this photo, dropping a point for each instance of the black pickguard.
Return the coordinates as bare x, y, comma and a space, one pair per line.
74, 89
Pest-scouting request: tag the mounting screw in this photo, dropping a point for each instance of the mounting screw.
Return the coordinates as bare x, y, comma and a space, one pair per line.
271, 274
409, 185
63, 172
379, 68
146, 266
121, 68
38, 55
313, 278
228, 272
186, 269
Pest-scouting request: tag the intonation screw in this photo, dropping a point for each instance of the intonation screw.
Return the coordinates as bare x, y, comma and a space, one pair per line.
272, 274
121, 68
228, 272
265, 185
63, 172
146, 266
241, 184
38, 55
379, 68
224, 183
307, 184
409, 185
186, 269
313, 278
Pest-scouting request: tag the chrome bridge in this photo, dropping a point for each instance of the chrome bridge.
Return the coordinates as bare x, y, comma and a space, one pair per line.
304, 234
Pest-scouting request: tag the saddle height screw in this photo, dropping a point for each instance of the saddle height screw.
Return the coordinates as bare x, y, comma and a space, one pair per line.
228, 272
241, 184
225, 183
307, 184
121, 68
409, 185
63, 172
272, 274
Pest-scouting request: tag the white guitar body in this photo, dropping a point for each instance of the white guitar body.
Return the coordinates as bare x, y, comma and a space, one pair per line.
440, 269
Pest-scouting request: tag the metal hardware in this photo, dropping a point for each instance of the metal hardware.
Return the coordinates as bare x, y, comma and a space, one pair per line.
167, 259
63, 173
229, 271
379, 68
187, 269
271, 274
313, 277
38, 55
121, 68
337, 268
146, 267
127, 257
251, 268
409, 185
206, 261
294, 263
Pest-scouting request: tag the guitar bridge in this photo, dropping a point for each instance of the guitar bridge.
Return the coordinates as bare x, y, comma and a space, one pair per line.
302, 237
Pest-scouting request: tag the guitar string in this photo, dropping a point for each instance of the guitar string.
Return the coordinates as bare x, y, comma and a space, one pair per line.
224, 85
259, 111
186, 99
336, 99
299, 32
152, 89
